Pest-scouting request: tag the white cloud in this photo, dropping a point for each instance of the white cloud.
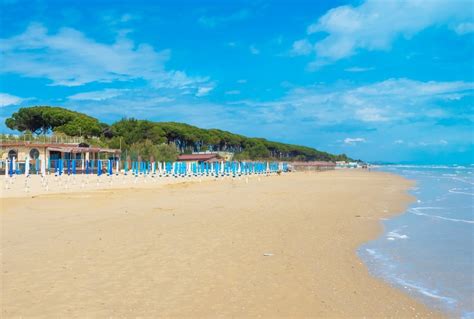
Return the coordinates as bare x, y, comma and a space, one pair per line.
354, 140
464, 28
358, 69
399, 142
371, 114
203, 91
127, 17
441, 142
8, 99
70, 58
392, 100
301, 47
254, 50
97, 95
375, 24
242, 81
410, 88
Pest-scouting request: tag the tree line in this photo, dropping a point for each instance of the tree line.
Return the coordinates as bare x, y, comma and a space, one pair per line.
157, 139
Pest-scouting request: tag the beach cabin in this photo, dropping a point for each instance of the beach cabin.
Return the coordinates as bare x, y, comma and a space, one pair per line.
199, 158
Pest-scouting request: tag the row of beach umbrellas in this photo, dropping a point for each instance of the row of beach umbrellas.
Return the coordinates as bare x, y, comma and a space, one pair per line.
114, 167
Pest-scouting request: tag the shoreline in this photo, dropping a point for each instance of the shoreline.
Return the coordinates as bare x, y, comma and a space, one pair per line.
281, 253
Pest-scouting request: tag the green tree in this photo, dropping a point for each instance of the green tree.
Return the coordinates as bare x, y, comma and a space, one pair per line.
42, 119
30, 119
146, 137
146, 150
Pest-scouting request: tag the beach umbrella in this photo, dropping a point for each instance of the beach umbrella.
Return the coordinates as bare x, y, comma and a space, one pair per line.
99, 167
117, 166
43, 167
68, 166
7, 167
27, 165
60, 166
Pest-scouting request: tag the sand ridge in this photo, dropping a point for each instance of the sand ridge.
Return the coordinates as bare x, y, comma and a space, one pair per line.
284, 246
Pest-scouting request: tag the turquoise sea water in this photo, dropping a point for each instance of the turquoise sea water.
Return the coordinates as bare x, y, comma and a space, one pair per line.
428, 251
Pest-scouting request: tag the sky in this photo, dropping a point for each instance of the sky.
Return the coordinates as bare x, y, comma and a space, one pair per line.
378, 80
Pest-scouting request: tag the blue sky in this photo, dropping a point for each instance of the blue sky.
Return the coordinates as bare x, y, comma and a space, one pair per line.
377, 80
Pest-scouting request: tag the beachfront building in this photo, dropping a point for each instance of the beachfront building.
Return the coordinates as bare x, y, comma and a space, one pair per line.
22, 150
312, 166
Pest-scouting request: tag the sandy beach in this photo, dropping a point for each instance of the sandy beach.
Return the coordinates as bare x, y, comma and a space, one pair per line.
282, 246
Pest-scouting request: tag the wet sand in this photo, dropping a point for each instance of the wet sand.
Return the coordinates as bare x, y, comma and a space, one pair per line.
284, 246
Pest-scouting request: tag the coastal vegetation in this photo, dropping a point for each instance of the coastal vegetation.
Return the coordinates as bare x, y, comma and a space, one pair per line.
157, 139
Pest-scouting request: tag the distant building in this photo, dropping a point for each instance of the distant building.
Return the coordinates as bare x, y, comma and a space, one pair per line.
199, 158
226, 156
343, 164
312, 166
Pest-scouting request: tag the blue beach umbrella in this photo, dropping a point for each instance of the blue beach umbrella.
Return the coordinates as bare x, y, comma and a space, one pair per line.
61, 167
10, 168
99, 167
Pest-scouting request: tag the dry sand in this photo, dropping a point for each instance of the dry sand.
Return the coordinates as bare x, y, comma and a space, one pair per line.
284, 246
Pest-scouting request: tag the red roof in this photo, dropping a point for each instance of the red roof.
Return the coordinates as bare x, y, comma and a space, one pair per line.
61, 147
197, 157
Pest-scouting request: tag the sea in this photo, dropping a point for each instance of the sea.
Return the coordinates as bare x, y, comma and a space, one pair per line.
428, 251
